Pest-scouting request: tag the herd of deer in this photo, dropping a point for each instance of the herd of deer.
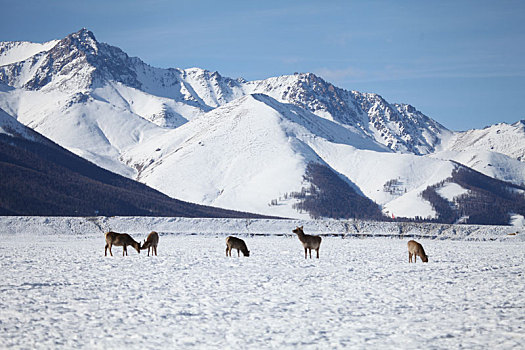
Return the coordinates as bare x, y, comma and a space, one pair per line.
123, 240
309, 242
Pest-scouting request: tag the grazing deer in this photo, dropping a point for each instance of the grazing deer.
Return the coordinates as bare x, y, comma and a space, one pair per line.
416, 249
151, 242
236, 243
309, 242
120, 239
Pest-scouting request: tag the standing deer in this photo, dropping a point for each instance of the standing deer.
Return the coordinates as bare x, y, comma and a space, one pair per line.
309, 242
120, 239
236, 243
151, 242
416, 250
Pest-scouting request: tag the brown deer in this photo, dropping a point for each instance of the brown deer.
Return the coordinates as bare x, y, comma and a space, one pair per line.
309, 242
120, 239
151, 242
416, 250
236, 243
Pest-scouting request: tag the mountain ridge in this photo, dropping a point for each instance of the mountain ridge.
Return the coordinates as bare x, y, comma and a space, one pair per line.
135, 119
93, 63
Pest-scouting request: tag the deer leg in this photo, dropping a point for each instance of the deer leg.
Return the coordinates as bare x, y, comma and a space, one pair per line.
148, 251
317, 250
305, 253
124, 250
106, 250
409, 257
155, 247
110, 252
238, 253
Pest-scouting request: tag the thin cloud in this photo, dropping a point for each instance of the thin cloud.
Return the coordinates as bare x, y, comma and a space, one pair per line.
393, 72
337, 75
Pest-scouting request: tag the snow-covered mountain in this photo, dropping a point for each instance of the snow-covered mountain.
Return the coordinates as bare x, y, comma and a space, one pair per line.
501, 138
43, 179
238, 144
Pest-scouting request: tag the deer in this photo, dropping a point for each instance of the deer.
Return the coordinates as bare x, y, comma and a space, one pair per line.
151, 242
120, 239
309, 242
236, 243
416, 249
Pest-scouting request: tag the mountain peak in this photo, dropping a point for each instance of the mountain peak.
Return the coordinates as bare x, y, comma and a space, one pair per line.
84, 34
83, 39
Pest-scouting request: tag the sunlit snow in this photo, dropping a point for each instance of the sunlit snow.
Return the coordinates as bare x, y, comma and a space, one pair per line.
58, 290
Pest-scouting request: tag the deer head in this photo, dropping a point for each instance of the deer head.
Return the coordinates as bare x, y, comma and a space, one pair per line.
298, 230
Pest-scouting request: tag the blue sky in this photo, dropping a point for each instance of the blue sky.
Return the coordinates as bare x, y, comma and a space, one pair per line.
459, 62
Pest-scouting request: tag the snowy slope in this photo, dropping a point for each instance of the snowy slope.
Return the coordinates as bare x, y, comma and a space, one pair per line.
41, 178
497, 151
502, 138
202, 137
400, 127
392, 180
11, 127
255, 149
16, 51
243, 154
493, 164
89, 125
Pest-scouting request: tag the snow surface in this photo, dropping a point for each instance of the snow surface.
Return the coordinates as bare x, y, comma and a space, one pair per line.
9, 126
240, 156
14, 225
59, 291
96, 130
517, 220
502, 138
450, 191
16, 51
493, 164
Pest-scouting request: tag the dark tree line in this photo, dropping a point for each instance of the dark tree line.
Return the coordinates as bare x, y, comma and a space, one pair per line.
488, 202
444, 209
491, 201
329, 196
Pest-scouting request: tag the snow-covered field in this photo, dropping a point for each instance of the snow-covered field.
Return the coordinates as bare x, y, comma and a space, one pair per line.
58, 290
